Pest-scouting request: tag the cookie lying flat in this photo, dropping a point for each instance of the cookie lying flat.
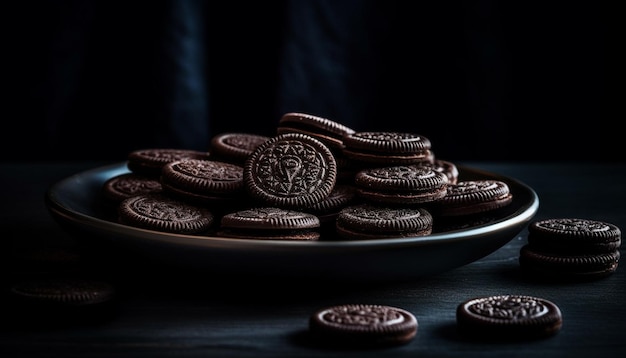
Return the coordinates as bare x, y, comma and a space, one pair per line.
508, 317
570, 249
269, 223
149, 161
325, 130
400, 185
373, 149
363, 325
473, 197
162, 213
366, 221
235, 147
127, 185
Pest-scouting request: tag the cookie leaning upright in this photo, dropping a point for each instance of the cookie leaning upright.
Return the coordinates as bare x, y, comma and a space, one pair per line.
291, 170
570, 249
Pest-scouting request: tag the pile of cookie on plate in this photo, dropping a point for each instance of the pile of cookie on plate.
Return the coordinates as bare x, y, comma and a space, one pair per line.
316, 179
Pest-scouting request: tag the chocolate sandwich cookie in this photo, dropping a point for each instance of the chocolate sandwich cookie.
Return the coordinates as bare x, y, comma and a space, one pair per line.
127, 185
235, 147
473, 197
366, 221
444, 166
363, 325
325, 130
373, 149
574, 235
291, 170
400, 185
163, 213
217, 185
270, 223
61, 300
570, 249
552, 266
508, 317
150, 161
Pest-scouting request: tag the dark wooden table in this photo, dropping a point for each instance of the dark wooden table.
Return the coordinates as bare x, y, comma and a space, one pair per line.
165, 312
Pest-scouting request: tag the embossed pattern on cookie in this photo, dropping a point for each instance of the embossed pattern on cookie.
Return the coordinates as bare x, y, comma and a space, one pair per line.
291, 170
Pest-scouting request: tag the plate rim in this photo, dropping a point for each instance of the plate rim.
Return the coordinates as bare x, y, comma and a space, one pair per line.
522, 215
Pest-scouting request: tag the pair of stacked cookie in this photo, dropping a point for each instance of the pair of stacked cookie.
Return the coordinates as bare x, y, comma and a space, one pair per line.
570, 249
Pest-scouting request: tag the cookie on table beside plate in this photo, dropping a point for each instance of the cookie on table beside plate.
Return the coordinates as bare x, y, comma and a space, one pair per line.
570, 249
375, 149
61, 300
210, 183
366, 221
400, 185
160, 212
127, 185
149, 161
235, 147
270, 223
508, 317
291, 170
363, 325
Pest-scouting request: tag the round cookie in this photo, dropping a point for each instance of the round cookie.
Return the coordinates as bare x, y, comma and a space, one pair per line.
574, 235
444, 166
508, 317
325, 130
400, 185
372, 149
235, 147
162, 213
127, 185
150, 161
366, 221
472, 197
218, 185
551, 266
363, 325
270, 223
291, 170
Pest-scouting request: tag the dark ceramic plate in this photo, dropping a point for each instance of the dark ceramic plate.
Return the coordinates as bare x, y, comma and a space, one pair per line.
74, 203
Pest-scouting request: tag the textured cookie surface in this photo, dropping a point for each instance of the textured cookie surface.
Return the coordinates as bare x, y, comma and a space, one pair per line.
235, 147
366, 221
149, 161
387, 148
514, 317
363, 325
270, 223
290, 170
163, 213
326, 130
574, 235
126, 185
473, 196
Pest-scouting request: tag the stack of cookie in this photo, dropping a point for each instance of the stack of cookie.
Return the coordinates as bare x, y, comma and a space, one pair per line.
570, 249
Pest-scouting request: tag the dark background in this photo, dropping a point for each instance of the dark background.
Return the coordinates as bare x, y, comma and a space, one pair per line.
483, 80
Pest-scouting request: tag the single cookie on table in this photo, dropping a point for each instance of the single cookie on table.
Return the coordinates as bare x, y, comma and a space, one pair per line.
61, 300
325, 130
216, 185
400, 185
291, 170
127, 185
160, 212
366, 221
363, 325
235, 147
270, 223
566, 249
149, 161
508, 317
375, 149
